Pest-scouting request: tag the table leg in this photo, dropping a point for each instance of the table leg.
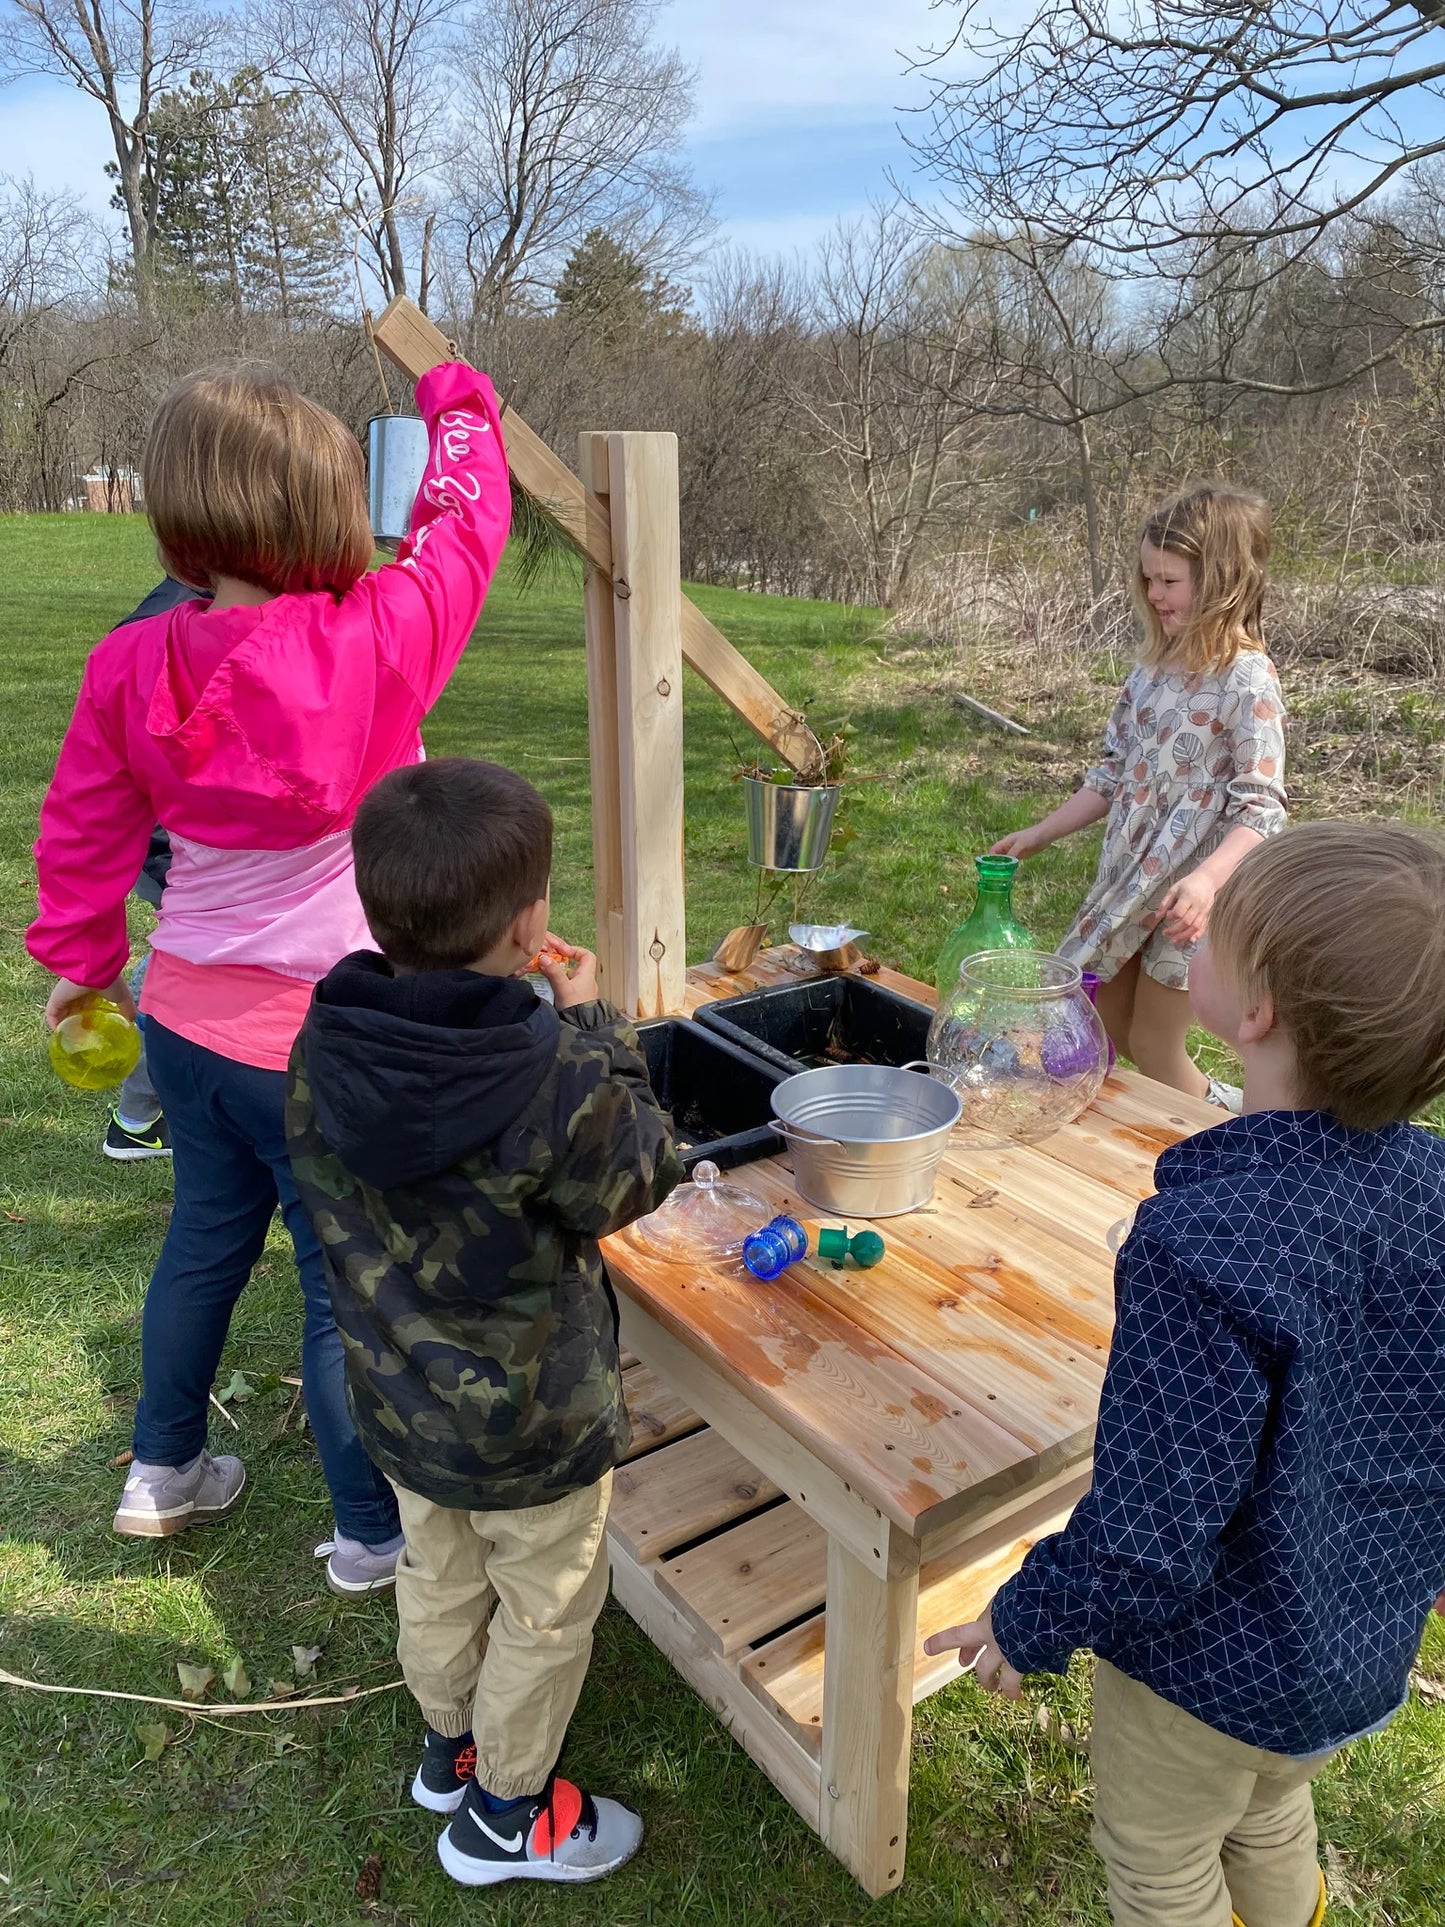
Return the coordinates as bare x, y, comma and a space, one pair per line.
872, 1617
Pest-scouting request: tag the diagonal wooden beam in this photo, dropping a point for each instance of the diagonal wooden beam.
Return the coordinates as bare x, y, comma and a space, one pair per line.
406, 337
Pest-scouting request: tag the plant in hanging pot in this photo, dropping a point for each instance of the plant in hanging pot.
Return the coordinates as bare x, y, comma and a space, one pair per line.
790, 816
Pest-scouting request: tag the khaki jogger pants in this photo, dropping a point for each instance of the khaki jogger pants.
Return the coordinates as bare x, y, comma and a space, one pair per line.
1194, 1827
495, 1613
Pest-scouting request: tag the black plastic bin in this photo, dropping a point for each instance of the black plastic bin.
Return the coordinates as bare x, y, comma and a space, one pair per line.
718, 1095
828, 1020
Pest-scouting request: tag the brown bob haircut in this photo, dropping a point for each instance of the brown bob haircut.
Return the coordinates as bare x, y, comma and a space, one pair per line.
1223, 534
1343, 924
245, 477
447, 853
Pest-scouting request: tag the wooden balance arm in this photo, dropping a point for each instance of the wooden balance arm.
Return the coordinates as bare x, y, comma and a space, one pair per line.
414, 344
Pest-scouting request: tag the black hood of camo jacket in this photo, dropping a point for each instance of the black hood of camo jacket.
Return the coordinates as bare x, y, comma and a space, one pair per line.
409, 1075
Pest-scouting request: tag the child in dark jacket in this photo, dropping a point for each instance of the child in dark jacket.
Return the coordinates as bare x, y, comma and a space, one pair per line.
461, 1146
1265, 1533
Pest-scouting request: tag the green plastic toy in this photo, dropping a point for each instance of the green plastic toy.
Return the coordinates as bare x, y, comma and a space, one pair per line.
865, 1248
94, 1047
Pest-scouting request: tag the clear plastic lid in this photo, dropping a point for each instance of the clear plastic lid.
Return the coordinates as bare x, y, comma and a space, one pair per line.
706, 1220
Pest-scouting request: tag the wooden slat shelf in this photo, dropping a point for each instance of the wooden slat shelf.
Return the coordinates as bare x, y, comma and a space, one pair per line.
658, 1416
675, 1495
787, 1673
743, 1584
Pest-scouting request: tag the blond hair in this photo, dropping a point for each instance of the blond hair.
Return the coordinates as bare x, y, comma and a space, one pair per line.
245, 477
1223, 533
1343, 924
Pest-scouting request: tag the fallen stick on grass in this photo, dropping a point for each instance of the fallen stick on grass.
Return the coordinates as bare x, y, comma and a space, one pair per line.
201, 1706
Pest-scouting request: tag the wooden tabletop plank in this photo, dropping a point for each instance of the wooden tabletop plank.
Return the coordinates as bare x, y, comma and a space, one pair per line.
972, 1356
887, 1427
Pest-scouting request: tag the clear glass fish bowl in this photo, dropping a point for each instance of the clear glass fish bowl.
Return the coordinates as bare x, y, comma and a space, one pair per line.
1022, 1043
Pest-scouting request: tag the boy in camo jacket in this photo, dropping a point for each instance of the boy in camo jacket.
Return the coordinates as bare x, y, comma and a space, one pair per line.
461, 1145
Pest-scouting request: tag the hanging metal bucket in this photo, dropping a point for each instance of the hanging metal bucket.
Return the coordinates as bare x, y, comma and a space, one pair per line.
789, 827
397, 450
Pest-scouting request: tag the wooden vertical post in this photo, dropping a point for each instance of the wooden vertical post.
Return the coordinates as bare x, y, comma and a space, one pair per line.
634, 651
869, 1632
598, 604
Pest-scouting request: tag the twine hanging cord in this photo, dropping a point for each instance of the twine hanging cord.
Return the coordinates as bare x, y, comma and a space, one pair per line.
202, 1707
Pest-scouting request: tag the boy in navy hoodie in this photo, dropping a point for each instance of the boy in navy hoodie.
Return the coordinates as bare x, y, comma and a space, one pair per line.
1265, 1533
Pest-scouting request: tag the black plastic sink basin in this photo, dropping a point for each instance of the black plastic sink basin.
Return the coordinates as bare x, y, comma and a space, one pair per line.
718, 1094
829, 1020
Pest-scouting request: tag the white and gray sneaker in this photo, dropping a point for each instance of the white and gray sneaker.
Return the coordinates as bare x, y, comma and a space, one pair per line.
1229, 1097
558, 1834
159, 1500
352, 1567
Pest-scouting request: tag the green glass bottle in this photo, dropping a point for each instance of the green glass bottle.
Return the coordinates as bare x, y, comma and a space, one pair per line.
991, 925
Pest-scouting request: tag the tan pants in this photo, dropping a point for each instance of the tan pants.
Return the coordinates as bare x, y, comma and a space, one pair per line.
1192, 1825
511, 1674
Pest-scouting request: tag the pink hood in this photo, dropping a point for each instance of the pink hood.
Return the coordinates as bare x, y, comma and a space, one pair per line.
253, 730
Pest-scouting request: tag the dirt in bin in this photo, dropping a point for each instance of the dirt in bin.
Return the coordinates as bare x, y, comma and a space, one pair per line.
690, 1127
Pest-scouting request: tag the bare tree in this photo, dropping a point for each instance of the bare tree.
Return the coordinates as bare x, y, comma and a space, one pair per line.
121, 54
1163, 132
894, 330
571, 119
378, 68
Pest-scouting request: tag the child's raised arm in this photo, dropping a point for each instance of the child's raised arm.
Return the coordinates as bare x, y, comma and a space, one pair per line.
426, 603
1088, 804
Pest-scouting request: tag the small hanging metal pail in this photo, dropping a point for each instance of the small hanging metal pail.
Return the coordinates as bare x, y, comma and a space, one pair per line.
789, 827
397, 450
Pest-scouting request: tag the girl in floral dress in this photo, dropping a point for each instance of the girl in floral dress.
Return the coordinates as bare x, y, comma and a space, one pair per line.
1191, 777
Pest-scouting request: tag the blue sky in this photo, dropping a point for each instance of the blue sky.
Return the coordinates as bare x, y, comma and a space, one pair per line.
798, 110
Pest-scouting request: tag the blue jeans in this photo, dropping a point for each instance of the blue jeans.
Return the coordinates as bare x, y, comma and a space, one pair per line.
231, 1171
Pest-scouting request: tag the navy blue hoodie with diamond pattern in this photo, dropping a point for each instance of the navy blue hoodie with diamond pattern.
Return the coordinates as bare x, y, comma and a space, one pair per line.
1265, 1532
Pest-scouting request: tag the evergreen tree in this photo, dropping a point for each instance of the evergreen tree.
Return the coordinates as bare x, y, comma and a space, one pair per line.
606, 289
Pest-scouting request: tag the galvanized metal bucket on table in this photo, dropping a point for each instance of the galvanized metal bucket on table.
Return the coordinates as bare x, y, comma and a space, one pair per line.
866, 1139
397, 450
789, 826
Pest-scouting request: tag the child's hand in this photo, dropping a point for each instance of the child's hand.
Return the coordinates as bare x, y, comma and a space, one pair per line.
68, 997
1185, 910
978, 1648
571, 971
1022, 843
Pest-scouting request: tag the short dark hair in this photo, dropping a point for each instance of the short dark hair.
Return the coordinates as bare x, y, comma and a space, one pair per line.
447, 853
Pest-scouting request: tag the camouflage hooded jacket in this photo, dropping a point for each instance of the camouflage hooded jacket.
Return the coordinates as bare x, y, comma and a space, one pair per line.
460, 1148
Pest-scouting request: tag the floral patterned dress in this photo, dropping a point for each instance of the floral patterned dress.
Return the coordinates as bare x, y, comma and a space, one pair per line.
1187, 758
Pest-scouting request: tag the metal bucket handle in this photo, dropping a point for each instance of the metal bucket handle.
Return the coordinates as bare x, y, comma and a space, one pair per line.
789, 1131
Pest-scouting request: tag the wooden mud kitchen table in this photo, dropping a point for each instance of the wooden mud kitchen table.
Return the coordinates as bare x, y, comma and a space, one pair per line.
828, 1466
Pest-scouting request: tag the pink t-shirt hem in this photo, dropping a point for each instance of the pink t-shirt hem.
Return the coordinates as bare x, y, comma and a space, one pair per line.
240, 1011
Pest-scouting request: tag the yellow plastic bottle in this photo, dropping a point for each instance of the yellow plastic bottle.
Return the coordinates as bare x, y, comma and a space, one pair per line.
95, 1046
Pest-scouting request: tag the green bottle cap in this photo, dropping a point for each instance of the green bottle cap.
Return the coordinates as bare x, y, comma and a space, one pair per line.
867, 1247
864, 1247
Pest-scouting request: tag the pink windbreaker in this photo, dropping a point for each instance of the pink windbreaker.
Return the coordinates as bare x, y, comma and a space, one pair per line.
253, 734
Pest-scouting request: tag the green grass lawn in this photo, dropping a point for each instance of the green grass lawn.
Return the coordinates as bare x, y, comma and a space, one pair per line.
270, 1819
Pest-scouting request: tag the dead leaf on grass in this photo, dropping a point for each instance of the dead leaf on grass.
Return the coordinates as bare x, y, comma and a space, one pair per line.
196, 1681
304, 1659
155, 1739
368, 1881
237, 1680
1427, 1688
281, 1689
120, 1459
1342, 1890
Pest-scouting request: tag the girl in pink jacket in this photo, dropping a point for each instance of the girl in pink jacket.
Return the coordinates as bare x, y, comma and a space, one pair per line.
251, 727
